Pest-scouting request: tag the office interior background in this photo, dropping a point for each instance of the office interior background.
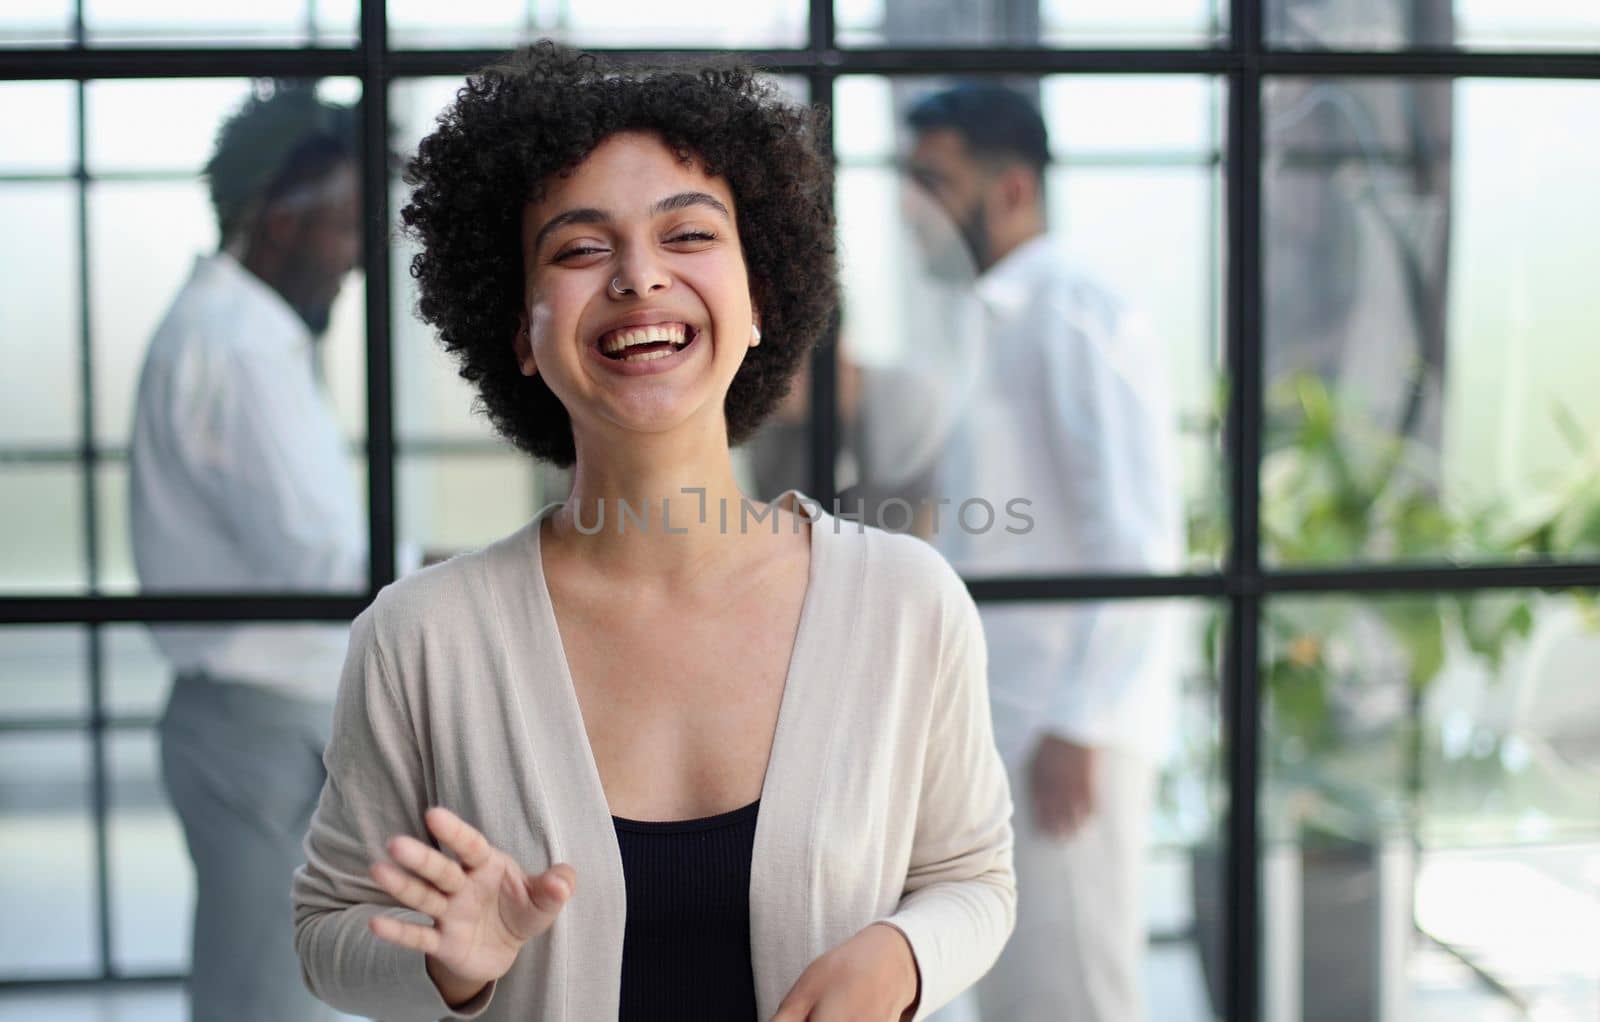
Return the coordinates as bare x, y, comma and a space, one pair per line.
1365, 232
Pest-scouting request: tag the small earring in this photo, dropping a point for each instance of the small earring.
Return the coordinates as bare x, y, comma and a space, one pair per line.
755, 335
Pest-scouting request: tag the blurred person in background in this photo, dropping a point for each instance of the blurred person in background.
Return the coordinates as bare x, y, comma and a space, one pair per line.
239, 482
1070, 412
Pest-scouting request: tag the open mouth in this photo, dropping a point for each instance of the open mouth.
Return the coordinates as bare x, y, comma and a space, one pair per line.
645, 343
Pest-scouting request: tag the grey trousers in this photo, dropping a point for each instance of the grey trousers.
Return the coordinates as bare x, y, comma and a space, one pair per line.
243, 766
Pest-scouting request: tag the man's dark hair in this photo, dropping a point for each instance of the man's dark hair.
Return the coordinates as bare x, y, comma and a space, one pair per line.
283, 138
992, 120
537, 114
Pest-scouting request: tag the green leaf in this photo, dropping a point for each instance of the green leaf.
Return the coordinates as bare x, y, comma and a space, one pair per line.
1419, 627
1571, 429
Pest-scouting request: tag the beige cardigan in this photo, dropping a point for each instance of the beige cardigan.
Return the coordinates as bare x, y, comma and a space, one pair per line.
884, 797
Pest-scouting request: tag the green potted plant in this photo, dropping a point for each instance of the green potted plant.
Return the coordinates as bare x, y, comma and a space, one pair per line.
1344, 682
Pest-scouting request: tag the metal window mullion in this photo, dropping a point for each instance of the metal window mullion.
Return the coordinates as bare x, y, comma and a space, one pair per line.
820, 35
823, 434
101, 777
306, 62
1030, 61
88, 984
123, 63
375, 200
99, 780
1241, 718
70, 723
1431, 64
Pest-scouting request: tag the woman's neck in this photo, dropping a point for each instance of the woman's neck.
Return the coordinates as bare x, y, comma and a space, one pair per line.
648, 510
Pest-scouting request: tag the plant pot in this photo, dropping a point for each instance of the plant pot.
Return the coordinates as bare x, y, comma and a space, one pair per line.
1336, 929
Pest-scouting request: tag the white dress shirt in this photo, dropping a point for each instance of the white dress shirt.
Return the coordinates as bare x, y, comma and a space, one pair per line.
1072, 412
239, 480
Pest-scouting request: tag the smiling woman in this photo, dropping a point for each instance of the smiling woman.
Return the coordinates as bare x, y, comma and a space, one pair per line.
757, 761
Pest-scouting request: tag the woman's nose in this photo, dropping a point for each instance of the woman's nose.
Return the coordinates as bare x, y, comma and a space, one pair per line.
639, 274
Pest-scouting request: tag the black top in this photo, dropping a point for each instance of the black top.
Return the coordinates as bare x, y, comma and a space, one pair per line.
686, 945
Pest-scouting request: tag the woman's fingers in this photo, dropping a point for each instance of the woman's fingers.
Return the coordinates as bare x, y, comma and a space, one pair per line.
430, 880
411, 935
471, 847
795, 1008
551, 889
408, 890
530, 904
428, 863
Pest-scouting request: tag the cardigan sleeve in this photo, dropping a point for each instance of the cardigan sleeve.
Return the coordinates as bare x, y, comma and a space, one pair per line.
960, 898
374, 791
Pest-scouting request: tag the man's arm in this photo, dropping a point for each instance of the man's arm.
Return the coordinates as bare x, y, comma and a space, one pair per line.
1112, 438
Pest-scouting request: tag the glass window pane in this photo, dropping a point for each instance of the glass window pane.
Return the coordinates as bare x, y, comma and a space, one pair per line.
42, 120
41, 396
199, 23
431, 400
460, 501
114, 570
1146, 875
641, 23
137, 676
1110, 115
1430, 762
168, 126
1429, 340
36, 23
152, 881
256, 392
338, 23
951, 391
47, 844
1433, 24
1137, 23
42, 540
44, 672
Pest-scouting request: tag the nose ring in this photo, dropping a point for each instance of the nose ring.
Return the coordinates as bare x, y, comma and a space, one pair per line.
620, 291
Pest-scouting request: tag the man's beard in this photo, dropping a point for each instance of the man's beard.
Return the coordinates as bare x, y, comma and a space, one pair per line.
954, 252
316, 317
974, 228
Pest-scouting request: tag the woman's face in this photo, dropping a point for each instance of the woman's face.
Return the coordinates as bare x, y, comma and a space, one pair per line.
665, 350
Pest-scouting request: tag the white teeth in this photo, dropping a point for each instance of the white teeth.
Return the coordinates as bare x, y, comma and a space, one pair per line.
627, 337
646, 356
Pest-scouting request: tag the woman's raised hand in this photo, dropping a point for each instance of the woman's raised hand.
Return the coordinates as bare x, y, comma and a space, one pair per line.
483, 905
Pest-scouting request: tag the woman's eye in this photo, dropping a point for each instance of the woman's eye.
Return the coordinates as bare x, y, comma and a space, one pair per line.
694, 236
581, 250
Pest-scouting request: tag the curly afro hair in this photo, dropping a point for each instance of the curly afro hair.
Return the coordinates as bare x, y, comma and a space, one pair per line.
539, 112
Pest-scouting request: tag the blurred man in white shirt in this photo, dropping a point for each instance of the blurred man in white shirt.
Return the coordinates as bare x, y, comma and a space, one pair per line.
1072, 414
240, 482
